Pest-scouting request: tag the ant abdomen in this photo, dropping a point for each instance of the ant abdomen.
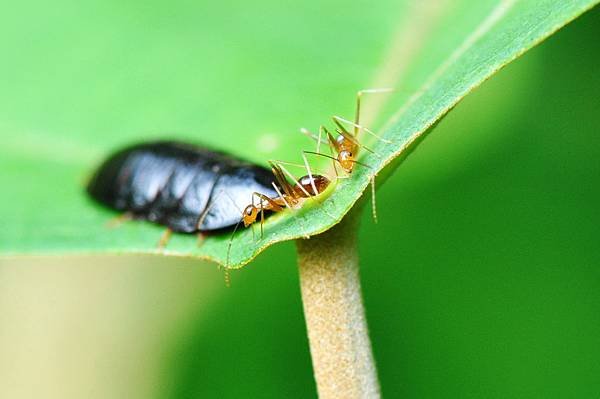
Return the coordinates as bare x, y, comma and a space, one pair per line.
306, 185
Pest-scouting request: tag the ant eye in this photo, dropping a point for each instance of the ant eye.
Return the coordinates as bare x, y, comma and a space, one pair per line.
249, 210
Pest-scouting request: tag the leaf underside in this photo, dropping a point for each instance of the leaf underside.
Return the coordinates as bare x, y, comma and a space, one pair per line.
98, 79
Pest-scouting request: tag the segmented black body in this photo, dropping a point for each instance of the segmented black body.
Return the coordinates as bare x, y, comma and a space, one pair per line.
179, 185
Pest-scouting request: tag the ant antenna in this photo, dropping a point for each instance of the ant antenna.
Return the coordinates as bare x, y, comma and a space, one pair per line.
239, 210
212, 202
231, 242
227, 277
232, 200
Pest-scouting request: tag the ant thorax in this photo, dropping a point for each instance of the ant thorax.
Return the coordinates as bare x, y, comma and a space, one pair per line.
343, 144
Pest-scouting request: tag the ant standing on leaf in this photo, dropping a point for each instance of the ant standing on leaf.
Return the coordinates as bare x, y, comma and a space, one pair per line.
345, 146
289, 196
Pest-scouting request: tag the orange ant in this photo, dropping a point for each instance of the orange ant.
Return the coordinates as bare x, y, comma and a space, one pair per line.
347, 145
289, 196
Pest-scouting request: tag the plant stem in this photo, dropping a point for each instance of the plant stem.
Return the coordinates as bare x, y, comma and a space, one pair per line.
335, 318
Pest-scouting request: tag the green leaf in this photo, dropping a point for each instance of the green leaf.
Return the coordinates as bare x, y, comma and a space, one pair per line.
82, 80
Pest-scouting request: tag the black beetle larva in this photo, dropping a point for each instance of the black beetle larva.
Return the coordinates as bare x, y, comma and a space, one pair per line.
191, 189
182, 186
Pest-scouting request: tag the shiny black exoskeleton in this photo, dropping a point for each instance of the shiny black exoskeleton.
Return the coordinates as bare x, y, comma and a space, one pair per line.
179, 185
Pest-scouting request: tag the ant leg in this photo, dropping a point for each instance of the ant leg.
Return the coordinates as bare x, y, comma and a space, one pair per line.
210, 205
231, 242
262, 210
279, 176
274, 206
119, 220
201, 237
231, 200
373, 202
358, 97
337, 175
262, 221
164, 238
261, 214
211, 202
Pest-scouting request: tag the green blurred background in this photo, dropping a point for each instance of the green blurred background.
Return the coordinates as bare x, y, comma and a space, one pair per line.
480, 280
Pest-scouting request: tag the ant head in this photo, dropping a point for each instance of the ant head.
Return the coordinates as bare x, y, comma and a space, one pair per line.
320, 182
249, 215
346, 160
